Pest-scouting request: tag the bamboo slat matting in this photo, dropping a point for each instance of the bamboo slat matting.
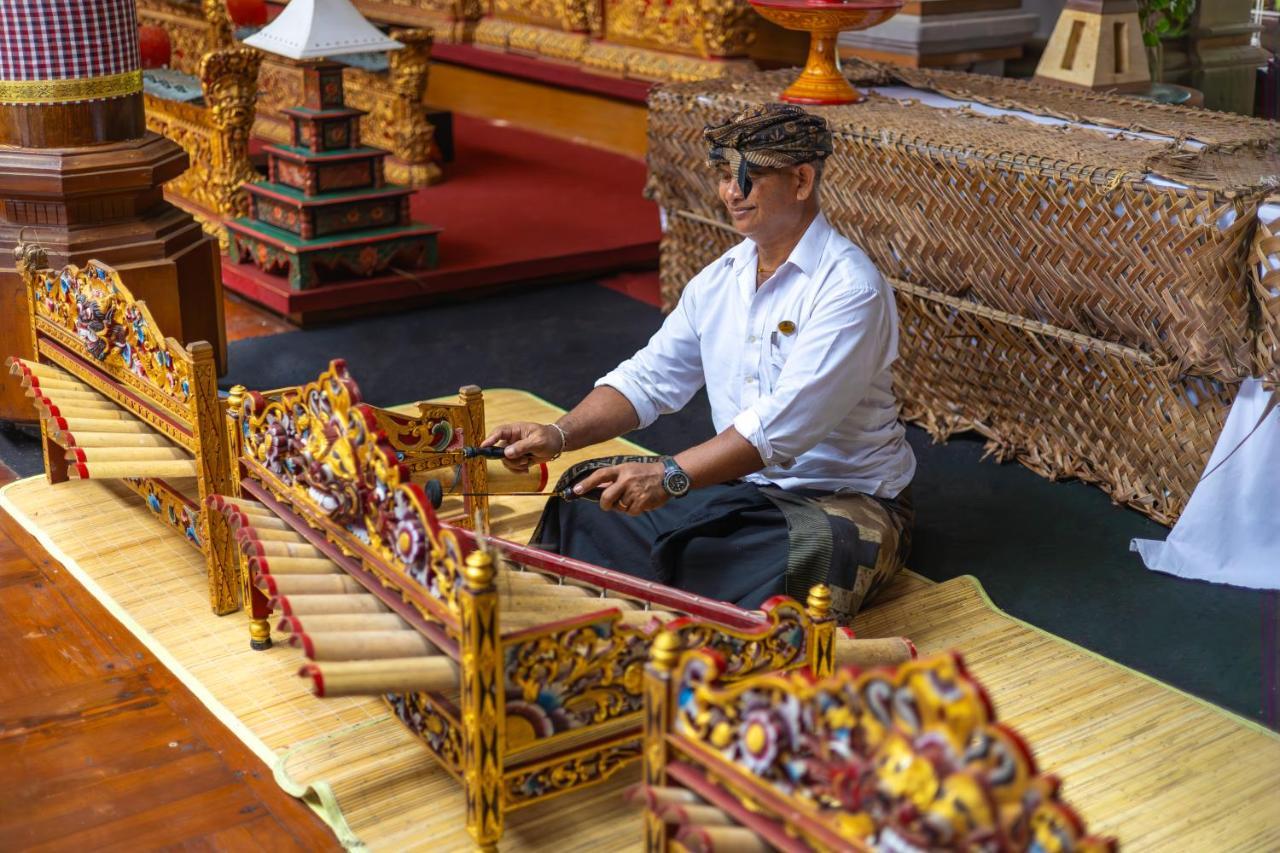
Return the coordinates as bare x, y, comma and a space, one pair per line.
1155, 767
1141, 760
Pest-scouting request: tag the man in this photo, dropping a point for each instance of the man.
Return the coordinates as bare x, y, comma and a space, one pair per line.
793, 332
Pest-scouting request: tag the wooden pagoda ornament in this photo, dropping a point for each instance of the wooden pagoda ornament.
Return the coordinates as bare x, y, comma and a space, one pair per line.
326, 203
81, 175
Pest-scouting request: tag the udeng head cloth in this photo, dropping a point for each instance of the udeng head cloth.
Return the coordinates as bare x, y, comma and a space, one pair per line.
768, 135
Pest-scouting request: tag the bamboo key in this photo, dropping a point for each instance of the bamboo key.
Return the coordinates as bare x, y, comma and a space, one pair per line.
267, 548
52, 383
110, 439
98, 424
657, 796
331, 622
125, 454
68, 394
866, 654
720, 839
698, 825
97, 408
361, 645
274, 565
136, 468
249, 507
695, 814
501, 480
433, 673
262, 522
321, 584
18, 366
329, 603
83, 410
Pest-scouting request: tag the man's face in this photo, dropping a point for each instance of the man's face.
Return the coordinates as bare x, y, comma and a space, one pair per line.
777, 197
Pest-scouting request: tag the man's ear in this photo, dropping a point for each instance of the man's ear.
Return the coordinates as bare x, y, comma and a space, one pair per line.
806, 177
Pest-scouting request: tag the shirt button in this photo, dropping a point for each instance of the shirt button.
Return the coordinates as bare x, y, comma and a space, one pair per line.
751, 380
752, 339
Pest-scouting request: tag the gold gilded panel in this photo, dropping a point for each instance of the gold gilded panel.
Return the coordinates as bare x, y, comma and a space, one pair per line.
705, 28
450, 21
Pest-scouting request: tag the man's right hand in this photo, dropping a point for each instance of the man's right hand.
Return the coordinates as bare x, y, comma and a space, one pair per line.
525, 443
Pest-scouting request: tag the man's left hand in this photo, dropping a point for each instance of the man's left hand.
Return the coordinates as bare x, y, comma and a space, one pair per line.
633, 487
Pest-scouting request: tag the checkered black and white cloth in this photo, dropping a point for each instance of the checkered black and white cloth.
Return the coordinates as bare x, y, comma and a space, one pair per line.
67, 39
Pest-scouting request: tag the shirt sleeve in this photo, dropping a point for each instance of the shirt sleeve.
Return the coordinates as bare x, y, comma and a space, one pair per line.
664, 376
849, 340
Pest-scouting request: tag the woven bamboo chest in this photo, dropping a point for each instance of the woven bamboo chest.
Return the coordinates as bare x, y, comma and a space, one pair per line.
1088, 299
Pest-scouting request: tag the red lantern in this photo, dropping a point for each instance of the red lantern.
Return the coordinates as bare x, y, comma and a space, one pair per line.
247, 13
154, 48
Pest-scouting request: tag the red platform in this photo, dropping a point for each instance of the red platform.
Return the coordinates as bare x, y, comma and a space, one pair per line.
515, 207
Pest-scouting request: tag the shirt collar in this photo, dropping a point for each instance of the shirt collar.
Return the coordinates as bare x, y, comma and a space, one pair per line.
805, 256
808, 252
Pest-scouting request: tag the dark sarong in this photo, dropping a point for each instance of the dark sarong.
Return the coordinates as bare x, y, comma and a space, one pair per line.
731, 542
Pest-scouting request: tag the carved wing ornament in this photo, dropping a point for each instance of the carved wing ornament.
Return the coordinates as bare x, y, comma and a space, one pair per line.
912, 755
323, 447
90, 310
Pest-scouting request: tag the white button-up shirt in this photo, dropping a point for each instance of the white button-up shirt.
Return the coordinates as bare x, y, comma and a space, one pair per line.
799, 366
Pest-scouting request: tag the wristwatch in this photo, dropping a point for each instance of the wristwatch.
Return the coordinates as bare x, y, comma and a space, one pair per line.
674, 480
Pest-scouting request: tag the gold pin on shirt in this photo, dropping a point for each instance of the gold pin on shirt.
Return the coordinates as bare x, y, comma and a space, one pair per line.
787, 327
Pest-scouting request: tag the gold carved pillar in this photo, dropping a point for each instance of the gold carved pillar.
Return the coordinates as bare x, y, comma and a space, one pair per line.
483, 705
658, 713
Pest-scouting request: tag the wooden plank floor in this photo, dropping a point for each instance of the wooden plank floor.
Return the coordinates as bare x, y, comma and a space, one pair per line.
102, 748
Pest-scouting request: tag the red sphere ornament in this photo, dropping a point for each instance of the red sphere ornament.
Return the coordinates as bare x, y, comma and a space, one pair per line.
154, 47
247, 13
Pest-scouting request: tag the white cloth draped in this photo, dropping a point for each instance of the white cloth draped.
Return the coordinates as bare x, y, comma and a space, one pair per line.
1230, 531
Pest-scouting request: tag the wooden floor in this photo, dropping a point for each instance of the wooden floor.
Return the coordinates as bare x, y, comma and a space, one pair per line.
102, 748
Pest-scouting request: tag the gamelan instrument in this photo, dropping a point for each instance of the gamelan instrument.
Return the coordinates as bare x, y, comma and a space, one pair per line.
119, 400
522, 671
910, 758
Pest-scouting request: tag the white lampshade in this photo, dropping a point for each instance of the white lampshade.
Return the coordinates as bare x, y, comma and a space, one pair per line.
314, 29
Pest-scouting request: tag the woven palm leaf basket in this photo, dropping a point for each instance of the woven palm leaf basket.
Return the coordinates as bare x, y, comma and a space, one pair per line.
1089, 302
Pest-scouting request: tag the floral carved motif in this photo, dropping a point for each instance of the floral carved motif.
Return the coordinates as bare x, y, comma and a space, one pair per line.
90, 310
322, 447
523, 785
592, 673
422, 718
905, 759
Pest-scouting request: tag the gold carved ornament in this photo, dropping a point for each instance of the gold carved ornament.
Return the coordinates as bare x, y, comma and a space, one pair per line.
91, 311
322, 447
705, 28
229, 80
590, 673
913, 752
219, 24
554, 776
546, 13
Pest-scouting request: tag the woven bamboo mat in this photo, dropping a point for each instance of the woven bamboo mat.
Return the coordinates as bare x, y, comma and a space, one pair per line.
1141, 760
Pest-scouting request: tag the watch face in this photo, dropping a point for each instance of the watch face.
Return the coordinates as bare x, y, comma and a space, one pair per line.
677, 482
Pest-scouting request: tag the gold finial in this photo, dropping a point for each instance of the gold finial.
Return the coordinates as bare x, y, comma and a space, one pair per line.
478, 571
819, 603
666, 650
259, 634
235, 399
